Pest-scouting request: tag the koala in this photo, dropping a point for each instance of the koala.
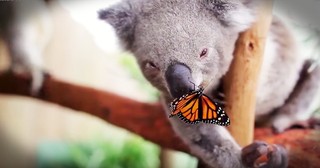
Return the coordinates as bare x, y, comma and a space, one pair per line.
25, 27
181, 45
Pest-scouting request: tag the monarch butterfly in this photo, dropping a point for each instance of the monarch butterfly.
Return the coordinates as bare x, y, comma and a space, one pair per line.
196, 106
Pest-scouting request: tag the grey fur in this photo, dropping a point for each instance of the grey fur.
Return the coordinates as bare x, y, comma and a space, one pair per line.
168, 31
123, 18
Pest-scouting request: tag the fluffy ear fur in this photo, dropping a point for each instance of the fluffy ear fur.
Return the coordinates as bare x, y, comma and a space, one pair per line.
234, 14
123, 19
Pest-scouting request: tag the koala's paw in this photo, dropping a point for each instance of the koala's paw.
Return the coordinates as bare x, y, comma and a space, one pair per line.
262, 155
285, 123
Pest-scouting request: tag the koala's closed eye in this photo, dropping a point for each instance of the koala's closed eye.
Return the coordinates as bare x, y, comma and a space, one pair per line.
150, 68
150, 65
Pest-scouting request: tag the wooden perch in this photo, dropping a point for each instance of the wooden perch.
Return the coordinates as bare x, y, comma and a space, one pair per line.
149, 120
241, 79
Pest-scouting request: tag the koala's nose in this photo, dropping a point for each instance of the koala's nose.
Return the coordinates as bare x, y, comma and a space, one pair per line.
179, 79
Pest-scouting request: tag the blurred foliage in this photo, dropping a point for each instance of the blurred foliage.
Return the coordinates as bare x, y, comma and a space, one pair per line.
133, 153
130, 64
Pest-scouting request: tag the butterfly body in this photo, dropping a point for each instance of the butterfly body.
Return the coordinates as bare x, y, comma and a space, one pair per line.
197, 107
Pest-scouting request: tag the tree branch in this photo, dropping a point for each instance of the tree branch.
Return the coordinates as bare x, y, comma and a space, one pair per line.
149, 120
145, 119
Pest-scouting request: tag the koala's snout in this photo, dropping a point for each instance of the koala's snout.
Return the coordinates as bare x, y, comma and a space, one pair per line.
179, 79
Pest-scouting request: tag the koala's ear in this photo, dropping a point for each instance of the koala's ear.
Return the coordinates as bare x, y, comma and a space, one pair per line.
237, 14
122, 17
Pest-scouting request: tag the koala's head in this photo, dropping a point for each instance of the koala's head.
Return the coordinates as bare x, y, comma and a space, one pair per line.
180, 44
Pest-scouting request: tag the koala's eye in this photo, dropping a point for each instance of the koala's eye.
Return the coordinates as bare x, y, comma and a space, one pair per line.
204, 53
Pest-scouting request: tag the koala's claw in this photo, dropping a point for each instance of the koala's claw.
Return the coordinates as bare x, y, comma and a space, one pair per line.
262, 155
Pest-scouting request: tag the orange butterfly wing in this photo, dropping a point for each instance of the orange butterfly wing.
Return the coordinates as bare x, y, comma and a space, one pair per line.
186, 107
196, 106
212, 112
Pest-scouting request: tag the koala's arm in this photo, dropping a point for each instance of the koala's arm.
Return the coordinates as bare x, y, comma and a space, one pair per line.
297, 106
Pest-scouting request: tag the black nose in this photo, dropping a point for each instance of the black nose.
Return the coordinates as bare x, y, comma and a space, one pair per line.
179, 79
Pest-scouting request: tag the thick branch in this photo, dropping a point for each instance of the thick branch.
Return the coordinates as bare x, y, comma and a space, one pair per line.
148, 120
241, 80
145, 119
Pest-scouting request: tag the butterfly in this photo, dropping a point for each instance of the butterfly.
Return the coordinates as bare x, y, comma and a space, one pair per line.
196, 106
